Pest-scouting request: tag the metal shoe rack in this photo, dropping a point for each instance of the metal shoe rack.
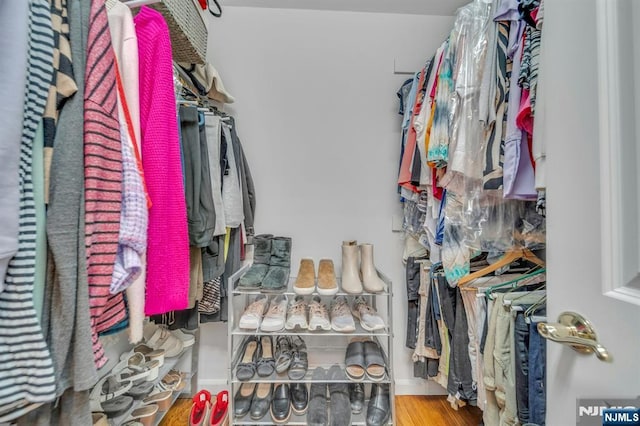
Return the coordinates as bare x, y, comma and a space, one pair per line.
324, 348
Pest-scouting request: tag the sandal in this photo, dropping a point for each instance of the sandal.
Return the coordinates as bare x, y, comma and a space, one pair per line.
374, 361
161, 338
162, 399
133, 367
141, 390
151, 354
355, 361
108, 396
145, 414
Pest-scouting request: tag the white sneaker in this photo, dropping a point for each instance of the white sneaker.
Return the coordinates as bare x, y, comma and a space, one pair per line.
252, 316
341, 318
187, 338
318, 315
275, 317
370, 320
297, 314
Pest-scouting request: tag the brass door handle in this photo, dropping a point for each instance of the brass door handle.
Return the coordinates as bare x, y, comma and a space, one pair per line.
574, 330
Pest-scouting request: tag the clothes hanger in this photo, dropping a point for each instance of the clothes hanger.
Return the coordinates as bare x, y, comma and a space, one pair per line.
529, 314
507, 259
512, 283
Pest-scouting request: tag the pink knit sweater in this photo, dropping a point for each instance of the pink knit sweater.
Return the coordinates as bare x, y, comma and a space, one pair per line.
168, 242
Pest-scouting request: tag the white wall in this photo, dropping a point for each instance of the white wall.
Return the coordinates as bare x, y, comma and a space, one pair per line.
316, 109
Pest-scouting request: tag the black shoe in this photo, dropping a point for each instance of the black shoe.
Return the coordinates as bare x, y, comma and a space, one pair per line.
299, 362
266, 362
339, 405
247, 366
317, 414
299, 398
379, 407
261, 400
281, 404
242, 399
356, 396
283, 353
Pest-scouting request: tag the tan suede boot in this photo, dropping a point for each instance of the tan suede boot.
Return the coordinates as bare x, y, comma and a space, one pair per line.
327, 284
306, 281
351, 282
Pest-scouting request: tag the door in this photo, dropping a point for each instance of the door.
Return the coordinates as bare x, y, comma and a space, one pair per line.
592, 198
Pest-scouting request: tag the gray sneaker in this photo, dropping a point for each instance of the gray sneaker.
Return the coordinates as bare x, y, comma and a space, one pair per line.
274, 318
297, 314
370, 320
318, 315
341, 318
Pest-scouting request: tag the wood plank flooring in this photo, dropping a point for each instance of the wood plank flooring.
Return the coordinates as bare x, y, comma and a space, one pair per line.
411, 411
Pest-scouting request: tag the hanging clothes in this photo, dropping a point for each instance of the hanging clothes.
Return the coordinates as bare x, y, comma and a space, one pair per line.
103, 177
13, 48
125, 46
26, 369
168, 241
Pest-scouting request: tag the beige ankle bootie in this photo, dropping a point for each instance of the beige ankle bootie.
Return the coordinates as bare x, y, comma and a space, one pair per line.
351, 282
306, 281
327, 284
372, 281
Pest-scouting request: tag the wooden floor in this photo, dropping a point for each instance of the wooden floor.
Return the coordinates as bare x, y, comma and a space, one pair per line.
411, 411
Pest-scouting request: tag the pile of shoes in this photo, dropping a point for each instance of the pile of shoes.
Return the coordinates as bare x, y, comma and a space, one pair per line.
257, 357
209, 411
271, 264
135, 378
279, 314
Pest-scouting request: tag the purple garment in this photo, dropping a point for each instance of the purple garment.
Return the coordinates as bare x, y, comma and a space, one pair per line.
132, 239
518, 173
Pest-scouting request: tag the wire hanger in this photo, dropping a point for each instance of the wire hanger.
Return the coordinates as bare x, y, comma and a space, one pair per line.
512, 283
507, 259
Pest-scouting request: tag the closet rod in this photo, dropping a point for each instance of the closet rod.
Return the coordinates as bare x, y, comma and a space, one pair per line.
139, 3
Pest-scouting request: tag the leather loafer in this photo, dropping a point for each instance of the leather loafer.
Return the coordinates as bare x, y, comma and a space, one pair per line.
242, 399
356, 396
261, 401
299, 398
281, 404
379, 407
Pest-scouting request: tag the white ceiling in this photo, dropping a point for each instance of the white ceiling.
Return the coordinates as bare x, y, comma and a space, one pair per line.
421, 7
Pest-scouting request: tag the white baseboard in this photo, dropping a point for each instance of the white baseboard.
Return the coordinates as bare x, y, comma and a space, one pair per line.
418, 387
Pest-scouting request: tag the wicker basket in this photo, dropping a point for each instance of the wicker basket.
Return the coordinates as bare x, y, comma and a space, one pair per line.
187, 28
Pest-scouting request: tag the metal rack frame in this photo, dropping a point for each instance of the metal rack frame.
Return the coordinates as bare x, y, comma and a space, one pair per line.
235, 337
